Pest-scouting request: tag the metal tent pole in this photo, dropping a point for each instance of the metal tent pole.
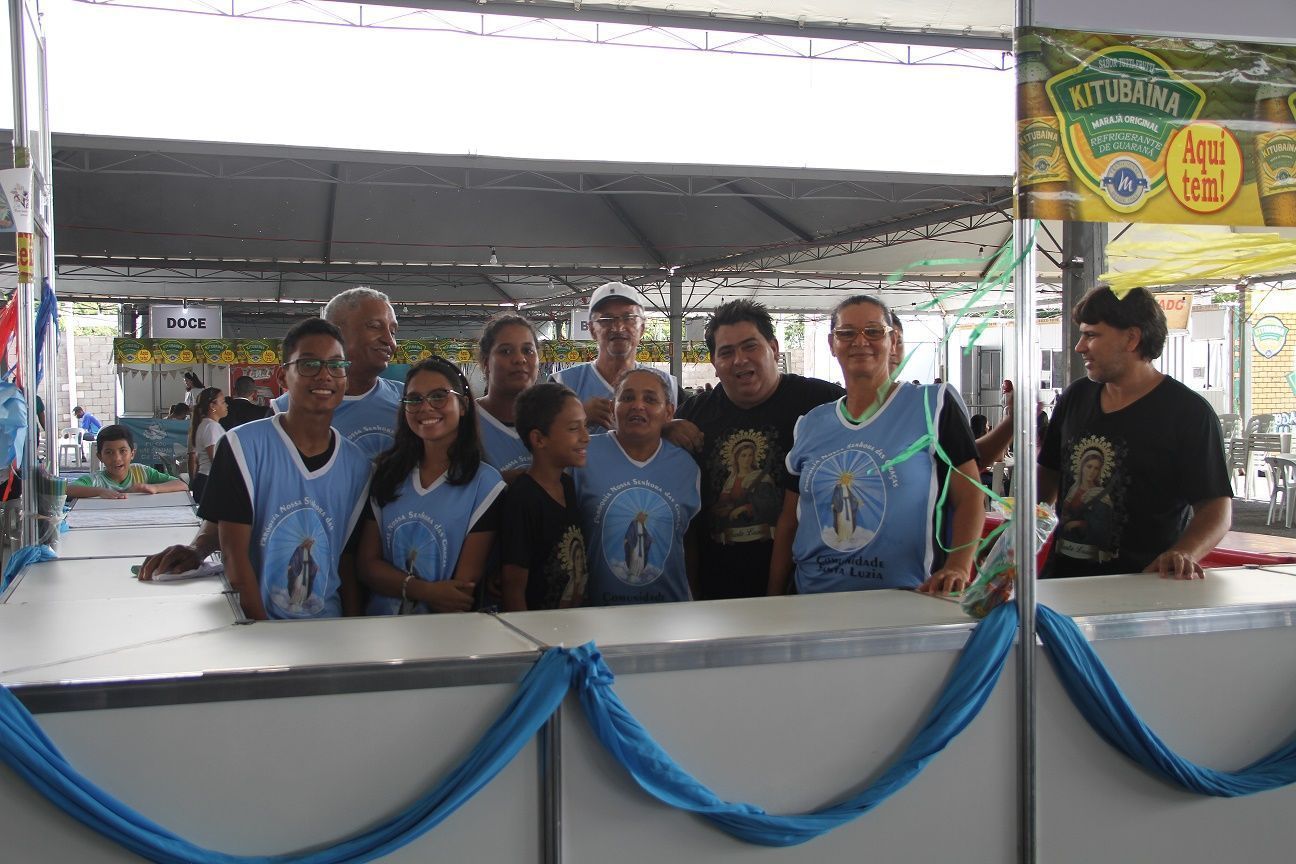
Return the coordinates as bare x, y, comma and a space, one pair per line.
1027, 381
26, 318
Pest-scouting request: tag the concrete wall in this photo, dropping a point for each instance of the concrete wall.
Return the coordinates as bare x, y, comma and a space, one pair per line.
96, 381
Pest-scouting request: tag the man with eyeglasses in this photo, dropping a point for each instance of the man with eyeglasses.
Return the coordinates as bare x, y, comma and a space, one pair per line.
747, 425
367, 415
293, 490
616, 319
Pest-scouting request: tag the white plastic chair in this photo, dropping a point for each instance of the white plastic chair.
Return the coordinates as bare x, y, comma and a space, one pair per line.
70, 440
1282, 478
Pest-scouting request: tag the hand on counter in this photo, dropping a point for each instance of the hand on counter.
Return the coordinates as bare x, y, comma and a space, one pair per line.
1172, 564
173, 559
947, 580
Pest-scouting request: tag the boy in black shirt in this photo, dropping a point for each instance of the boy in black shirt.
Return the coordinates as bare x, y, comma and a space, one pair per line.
543, 550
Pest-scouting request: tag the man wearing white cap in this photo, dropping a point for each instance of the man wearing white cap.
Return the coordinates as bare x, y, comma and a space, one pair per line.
616, 320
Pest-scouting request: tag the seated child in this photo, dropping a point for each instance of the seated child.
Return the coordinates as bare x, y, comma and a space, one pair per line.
543, 552
116, 448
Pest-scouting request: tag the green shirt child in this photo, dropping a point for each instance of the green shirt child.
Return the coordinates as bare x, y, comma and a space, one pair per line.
116, 449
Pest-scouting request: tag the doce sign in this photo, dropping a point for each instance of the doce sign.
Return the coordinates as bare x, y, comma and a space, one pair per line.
185, 322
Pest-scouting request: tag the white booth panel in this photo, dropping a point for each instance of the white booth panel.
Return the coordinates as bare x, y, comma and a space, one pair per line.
1222, 589
791, 737
137, 500
135, 543
108, 579
39, 635
277, 775
1220, 699
286, 645
662, 624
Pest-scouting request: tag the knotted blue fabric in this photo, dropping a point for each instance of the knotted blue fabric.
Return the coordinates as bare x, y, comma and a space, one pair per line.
26, 749
46, 314
969, 685
1100, 700
21, 558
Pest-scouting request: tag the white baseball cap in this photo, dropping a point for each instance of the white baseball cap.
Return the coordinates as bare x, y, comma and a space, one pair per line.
615, 291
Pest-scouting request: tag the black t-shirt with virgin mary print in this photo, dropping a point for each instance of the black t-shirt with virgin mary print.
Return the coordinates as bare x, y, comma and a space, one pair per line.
742, 481
1127, 479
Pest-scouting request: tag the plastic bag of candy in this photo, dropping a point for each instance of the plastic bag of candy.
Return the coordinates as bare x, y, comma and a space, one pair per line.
997, 573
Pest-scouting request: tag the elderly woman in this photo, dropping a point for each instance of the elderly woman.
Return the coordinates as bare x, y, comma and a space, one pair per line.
865, 477
637, 495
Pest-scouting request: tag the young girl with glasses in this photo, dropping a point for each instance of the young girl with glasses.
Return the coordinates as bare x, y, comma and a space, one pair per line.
434, 505
865, 477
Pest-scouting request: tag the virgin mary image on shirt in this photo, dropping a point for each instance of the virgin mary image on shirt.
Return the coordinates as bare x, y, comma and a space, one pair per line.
293, 562
849, 499
637, 530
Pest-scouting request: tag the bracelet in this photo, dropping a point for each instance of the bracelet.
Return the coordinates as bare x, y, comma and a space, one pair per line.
405, 587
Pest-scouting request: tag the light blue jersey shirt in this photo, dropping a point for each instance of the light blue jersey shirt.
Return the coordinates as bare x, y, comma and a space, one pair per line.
301, 519
501, 445
861, 526
423, 530
635, 515
587, 383
368, 420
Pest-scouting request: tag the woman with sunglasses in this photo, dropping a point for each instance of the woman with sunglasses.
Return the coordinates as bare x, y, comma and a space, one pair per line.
867, 480
434, 505
509, 355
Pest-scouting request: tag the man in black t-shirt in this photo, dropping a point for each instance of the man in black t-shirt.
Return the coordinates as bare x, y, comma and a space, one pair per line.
747, 422
1134, 459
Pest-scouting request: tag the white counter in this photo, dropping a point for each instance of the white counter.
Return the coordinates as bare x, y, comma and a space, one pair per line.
131, 517
137, 500
137, 542
75, 580
788, 703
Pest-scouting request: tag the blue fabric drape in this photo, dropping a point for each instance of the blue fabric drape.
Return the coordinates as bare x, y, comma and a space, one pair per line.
21, 558
1101, 702
969, 686
46, 314
24, 747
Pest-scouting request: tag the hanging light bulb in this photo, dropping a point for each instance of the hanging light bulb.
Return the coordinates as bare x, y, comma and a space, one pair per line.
494, 259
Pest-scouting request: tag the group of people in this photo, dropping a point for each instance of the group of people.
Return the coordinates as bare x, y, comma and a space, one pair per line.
362, 495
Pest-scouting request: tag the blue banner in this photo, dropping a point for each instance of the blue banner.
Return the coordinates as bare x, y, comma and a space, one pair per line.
159, 442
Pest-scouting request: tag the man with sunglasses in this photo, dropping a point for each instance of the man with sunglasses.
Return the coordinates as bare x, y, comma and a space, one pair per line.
293, 490
616, 320
367, 415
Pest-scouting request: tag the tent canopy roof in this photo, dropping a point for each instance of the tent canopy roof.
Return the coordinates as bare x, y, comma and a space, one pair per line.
199, 220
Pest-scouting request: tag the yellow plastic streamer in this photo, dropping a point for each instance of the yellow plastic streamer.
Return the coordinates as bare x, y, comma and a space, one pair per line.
1194, 255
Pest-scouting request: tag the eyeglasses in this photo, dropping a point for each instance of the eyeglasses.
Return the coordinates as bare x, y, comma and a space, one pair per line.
872, 332
627, 319
311, 368
435, 398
